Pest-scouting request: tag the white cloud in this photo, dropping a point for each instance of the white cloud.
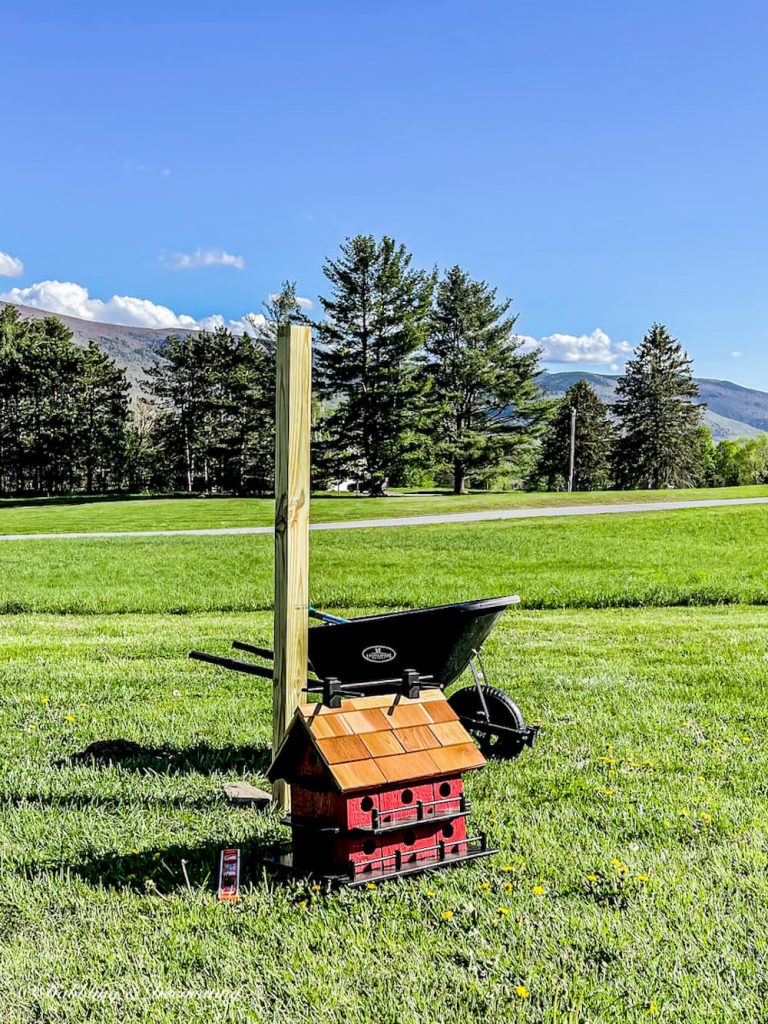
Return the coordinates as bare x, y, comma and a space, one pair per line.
203, 258
737, 355
69, 299
595, 348
10, 266
301, 302
244, 325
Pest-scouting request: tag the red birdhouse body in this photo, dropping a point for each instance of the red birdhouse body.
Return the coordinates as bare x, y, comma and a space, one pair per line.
376, 787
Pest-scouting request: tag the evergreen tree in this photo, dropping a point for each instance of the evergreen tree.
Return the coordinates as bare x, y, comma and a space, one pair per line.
375, 320
102, 421
660, 443
593, 448
217, 392
282, 308
63, 410
485, 404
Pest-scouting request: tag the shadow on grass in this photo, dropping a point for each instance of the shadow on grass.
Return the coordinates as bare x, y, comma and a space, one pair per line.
172, 868
202, 758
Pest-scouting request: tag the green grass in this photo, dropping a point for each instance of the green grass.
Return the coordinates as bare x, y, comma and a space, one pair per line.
697, 556
91, 515
653, 754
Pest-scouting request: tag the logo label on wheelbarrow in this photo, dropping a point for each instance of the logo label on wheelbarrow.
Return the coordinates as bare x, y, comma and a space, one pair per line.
379, 654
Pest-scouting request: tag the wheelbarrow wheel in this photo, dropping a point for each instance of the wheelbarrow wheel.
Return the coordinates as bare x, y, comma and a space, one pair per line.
468, 705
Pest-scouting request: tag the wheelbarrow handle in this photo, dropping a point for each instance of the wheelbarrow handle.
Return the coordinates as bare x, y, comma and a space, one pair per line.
324, 616
233, 663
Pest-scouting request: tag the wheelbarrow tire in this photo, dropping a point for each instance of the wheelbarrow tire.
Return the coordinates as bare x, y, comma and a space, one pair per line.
502, 710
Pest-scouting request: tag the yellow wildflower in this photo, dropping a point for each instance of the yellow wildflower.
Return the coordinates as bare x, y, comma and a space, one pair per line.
316, 888
747, 739
619, 865
45, 700
485, 885
69, 718
370, 885
447, 915
592, 878
642, 878
508, 867
134, 849
508, 887
684, 813
705, 817
522, 992
431, 892
538, 890
504, 910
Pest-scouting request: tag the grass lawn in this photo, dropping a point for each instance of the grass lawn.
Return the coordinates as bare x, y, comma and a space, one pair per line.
631, 881
85, 515
695, 556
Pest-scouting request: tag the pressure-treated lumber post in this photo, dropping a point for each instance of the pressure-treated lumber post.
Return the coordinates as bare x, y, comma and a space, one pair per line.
292, 431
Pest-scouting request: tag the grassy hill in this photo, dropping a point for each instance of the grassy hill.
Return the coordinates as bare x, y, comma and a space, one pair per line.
732, 410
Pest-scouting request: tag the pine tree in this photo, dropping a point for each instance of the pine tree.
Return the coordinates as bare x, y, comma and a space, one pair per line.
103, 400
375, 319
485, 404
593, 448
660, 443
284, 307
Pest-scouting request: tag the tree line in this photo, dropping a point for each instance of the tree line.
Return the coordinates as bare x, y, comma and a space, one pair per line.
419, 380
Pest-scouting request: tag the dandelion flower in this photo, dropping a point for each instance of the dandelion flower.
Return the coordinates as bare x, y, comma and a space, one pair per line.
431, 892
611, 771
508, 887
316, 888
538, 890
592, 878
522, 992
485, 885
134, 849
641, 878
504, 911
619, 865
69, 718
747, 739
446, 915
705, 817
45, 700
508, 867
653, 1007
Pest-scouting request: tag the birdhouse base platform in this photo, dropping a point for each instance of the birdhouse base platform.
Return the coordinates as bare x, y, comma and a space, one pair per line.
438, 858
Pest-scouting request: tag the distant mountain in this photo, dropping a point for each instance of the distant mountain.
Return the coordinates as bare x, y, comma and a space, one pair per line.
133, 348
732, 411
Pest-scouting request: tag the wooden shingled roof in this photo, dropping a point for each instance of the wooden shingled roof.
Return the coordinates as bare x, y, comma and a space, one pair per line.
375, 741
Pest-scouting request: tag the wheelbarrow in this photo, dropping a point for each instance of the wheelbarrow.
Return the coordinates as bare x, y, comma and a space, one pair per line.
399, 652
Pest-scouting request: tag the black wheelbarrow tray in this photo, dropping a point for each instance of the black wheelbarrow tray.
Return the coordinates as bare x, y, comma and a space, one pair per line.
385, 653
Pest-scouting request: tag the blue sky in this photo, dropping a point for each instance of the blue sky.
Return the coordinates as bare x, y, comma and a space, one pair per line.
604, 164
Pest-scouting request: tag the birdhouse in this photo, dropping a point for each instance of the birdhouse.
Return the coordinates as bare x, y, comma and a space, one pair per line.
376, 788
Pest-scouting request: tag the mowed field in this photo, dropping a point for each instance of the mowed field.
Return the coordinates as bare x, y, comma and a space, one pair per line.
73, 515
631, 881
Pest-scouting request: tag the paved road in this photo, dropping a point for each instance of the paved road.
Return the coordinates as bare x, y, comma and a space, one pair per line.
434, 520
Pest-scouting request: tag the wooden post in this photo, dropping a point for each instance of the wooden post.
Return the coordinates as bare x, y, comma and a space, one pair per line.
292, 431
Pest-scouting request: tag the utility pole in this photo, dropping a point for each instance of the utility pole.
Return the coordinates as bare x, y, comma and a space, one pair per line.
572, 457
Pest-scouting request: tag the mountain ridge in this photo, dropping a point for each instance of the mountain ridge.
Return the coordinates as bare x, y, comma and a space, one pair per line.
732, 410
